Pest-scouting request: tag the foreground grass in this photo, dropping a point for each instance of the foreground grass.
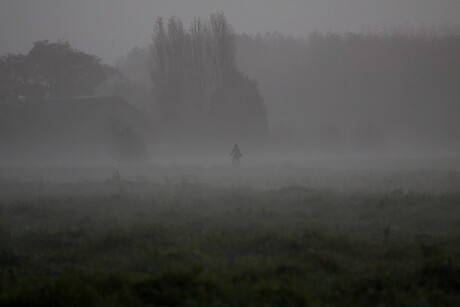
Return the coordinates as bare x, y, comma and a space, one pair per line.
197, 245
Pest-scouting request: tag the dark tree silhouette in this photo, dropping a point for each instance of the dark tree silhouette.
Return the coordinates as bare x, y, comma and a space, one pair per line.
197, 83
54, 68
13, 77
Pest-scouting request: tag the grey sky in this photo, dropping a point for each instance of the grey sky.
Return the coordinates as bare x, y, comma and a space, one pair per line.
110, 28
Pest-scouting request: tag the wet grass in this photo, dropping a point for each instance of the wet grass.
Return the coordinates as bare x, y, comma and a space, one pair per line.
198, 245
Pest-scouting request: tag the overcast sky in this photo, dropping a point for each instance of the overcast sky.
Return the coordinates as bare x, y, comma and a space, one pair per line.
110, 28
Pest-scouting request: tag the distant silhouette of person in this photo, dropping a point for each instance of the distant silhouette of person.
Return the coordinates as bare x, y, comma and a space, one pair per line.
236, 153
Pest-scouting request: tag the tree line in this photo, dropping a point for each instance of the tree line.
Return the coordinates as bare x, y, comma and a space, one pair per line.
403, 82
394, 85
196, 90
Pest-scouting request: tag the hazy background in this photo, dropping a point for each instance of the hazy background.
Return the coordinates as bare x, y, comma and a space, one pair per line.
110, 28
350, 78
117, 180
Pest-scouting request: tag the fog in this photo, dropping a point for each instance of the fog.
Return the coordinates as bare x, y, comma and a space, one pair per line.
85, 84
229, 153
110, 28
350, 84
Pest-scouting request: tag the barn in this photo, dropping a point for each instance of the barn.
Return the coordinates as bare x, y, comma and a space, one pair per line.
75, 130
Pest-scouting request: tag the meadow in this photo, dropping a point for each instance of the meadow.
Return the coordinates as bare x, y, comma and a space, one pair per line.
376, 239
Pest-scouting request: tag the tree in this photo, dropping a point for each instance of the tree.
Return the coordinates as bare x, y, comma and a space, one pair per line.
222, 47
54, 68
238, 110
168, 74
198, 66
13, 77
197, 83
66, 71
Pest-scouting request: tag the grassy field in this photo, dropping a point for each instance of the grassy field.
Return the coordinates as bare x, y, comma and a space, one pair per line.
194, 244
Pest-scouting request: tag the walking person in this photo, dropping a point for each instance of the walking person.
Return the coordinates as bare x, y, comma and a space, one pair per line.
236, 154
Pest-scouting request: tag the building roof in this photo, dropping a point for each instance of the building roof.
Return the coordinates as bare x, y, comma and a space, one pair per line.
65, 126
84, 109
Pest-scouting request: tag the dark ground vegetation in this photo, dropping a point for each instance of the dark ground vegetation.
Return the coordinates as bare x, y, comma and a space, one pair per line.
193, 244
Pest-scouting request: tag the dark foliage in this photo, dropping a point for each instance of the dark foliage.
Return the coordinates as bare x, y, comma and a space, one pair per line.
199, 89
54, 69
